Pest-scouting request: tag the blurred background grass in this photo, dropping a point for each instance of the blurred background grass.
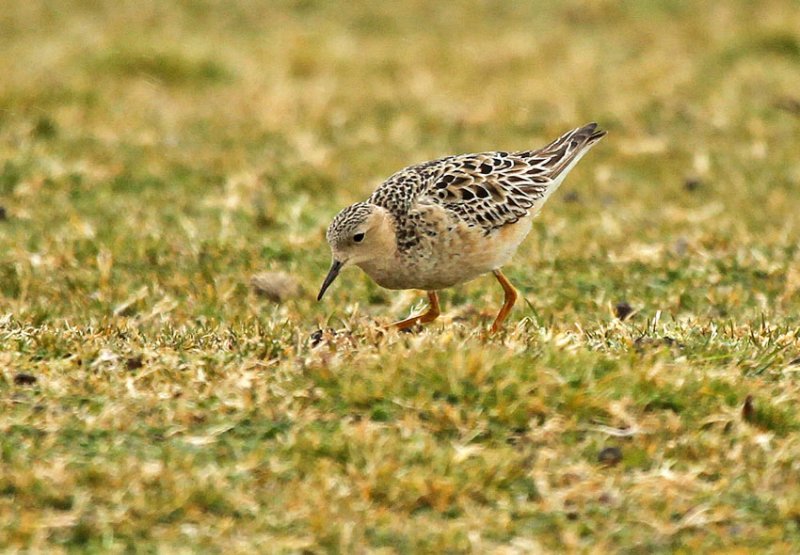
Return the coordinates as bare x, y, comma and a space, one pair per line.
153, 156
248, 124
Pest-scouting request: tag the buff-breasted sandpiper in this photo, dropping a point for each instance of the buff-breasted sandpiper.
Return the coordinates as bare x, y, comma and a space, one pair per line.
448, 221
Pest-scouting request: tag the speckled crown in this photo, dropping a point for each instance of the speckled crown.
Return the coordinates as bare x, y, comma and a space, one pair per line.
347, 221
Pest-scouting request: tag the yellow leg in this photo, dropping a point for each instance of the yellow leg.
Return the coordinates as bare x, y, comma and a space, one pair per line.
511, 298
429, 316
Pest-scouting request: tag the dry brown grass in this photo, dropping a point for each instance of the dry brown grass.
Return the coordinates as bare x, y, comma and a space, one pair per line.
154, 156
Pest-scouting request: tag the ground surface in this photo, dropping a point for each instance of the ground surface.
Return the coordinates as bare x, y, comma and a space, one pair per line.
156, 155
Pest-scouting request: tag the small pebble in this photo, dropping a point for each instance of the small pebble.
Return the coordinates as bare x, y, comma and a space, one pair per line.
622, 310
316, 338
318, 335
24, 379
275, 286
610, 456
134, 362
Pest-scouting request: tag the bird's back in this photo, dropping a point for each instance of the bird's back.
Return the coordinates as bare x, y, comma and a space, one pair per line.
487, 190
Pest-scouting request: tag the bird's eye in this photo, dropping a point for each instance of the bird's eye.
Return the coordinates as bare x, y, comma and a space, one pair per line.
358, 237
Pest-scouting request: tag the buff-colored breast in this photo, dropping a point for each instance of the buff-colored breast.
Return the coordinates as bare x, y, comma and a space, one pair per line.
455, 253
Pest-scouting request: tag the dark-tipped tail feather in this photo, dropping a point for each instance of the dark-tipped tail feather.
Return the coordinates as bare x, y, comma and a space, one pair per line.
567, 149
592, 132
578, 138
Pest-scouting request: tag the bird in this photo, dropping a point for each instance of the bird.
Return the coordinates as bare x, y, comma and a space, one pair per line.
448, 221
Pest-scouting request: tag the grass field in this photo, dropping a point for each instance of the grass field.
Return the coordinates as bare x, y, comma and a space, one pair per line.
154, 156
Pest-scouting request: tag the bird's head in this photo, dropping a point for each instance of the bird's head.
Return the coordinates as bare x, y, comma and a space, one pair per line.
359, 234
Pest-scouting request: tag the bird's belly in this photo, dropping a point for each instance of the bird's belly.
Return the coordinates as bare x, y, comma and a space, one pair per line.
451, 258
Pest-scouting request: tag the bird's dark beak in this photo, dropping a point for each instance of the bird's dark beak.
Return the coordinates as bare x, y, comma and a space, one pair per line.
332, 273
